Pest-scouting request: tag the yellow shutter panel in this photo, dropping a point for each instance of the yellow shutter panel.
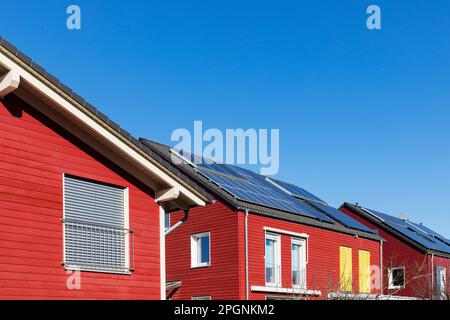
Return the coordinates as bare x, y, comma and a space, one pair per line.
346, 273
364, 271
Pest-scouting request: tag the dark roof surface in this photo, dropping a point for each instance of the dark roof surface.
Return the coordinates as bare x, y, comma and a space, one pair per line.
194, 173
99, 115
415, 234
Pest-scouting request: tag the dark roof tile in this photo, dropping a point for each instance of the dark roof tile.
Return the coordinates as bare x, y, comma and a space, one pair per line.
90, 107
65, 88
38, 68
8, 46
135, 141
51, 78
125, 133
113, 125
102, 116
24, 58
78, 98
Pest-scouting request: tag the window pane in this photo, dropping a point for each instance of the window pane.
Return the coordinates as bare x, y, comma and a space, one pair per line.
167, 221
398, 277
295, 264
203, 252
270, 261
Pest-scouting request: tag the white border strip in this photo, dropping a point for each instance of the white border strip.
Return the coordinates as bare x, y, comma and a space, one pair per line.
289, 233
162, 250
354, 296
292, 291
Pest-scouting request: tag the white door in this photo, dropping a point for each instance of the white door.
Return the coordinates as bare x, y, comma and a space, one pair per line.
441, 282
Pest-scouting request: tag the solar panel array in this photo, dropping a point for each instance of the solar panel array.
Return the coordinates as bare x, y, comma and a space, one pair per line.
342, 217
295, 191
320, 205
431, 233
248, 186
252, 188
418, 233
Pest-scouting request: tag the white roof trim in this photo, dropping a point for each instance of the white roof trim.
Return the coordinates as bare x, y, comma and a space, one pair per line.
289, 233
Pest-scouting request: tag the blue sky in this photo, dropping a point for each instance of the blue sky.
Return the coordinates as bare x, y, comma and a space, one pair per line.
363, 115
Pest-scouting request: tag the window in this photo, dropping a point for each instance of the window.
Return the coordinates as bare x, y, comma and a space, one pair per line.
396, 278
298, 253
95, 226
273, 260
200, 250
441, 282
346, 269
364, 271
201, 298
167, 221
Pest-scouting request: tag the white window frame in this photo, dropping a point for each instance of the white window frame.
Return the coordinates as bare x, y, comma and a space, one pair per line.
277, 239
391, 279
126, 212
200, 298
195, 253
303, 261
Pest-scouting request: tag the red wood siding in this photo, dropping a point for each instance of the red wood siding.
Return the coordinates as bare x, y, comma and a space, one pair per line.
221, 279
397, 253
445, 263
323, 255
225, 278
34, 154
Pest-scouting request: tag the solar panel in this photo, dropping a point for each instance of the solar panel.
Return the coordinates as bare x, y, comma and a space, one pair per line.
255, 189
342, 217
295, 190
319, 204
208, 164
411, 231
430, 232
400, 222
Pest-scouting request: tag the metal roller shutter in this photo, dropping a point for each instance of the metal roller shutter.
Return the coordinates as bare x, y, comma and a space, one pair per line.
94, 225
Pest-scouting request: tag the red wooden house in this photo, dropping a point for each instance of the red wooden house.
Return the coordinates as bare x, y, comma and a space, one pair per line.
263, 239
81, 201
416, 260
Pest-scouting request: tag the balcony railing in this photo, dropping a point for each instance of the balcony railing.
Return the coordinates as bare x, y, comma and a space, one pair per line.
96, 247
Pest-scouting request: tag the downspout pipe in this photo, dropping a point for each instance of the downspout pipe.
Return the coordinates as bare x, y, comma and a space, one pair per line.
381, 268
179, 223
432, 276
246, 256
